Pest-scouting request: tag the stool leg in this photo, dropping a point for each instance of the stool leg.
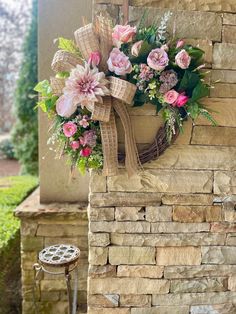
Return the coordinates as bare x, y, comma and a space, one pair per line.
75, 298
68, 278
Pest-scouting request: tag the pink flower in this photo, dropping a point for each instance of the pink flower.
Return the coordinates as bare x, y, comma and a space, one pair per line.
84, 122
136, 48
84, 87
75, 145
89, 138
181, 100
145, 72
158, 59
65, 106
180, 43
69, 129
86, 152
171, 96
123, 34
183, 59
94, 59
118, 62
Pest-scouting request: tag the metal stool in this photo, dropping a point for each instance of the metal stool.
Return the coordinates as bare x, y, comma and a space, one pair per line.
60, 255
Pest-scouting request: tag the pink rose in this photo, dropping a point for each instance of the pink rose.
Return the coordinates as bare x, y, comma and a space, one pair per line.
180, 43
65, 106
123, 34
181, 100
183, 59
158, 59
118, 62
171, 96
136, 48
75, 145
69, 129
94, 58
86, 152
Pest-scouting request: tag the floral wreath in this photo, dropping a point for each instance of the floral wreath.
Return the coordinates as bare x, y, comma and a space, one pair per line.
107, 68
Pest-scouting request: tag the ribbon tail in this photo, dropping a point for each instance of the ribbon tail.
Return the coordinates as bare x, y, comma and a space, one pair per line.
131, 159
109, 146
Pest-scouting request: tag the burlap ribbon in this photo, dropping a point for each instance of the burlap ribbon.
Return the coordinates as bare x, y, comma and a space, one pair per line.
98, 37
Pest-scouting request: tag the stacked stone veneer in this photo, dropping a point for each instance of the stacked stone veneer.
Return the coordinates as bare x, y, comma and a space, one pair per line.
42, 226
157, 241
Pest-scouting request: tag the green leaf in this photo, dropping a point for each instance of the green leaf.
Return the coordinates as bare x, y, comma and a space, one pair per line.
200, 91
194, 52
193, 109
62, 74
68, 45
43, 88
208, 116
189, 81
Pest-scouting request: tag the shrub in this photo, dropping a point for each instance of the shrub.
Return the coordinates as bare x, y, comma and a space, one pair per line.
25, 132
7, 149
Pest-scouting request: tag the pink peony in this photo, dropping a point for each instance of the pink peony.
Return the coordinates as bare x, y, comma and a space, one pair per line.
136, 48
94, 59
86, 152
158, 59
180, 43
75, 145
84, 87
123, 34
118, 62
65, 106
181, 100
69, 129
171, 96
183, 59
84, 122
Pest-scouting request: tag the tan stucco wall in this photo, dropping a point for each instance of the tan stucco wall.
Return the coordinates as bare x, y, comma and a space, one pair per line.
58, 18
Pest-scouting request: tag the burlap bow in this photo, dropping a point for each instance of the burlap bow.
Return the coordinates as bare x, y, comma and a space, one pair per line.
98, 37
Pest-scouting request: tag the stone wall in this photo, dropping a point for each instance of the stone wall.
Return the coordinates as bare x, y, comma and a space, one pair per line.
158, 242
42, 226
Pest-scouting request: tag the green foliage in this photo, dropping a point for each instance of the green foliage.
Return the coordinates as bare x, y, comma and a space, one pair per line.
189, 80
48, 101
7, 149
25, 132
68, 45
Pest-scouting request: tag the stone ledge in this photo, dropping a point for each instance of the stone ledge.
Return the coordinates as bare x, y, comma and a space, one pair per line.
31, 207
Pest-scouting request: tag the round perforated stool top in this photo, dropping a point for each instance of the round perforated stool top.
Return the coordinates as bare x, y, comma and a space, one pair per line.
59, 255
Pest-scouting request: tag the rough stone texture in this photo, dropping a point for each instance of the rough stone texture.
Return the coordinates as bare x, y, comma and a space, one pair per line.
225, 108
99, 239
120, 227
102, 271
108, 311
229, 19
209, 135
178, 256
199, 285
99, 300
129, 213
104, 214
225, 182
187, 199
229, 34
223, 90
97, 183
213, 309
174, 272
232, 283
194, 298
192, 26
153, 180
177, 239
162, 310
98, 256
223, 56
131, 255
176, 227
224, 76
142, 271
158, 213
131, 285
197, 213
231, 239
219, 255
135, 300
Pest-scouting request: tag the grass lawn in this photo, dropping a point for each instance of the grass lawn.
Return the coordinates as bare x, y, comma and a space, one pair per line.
13, 190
